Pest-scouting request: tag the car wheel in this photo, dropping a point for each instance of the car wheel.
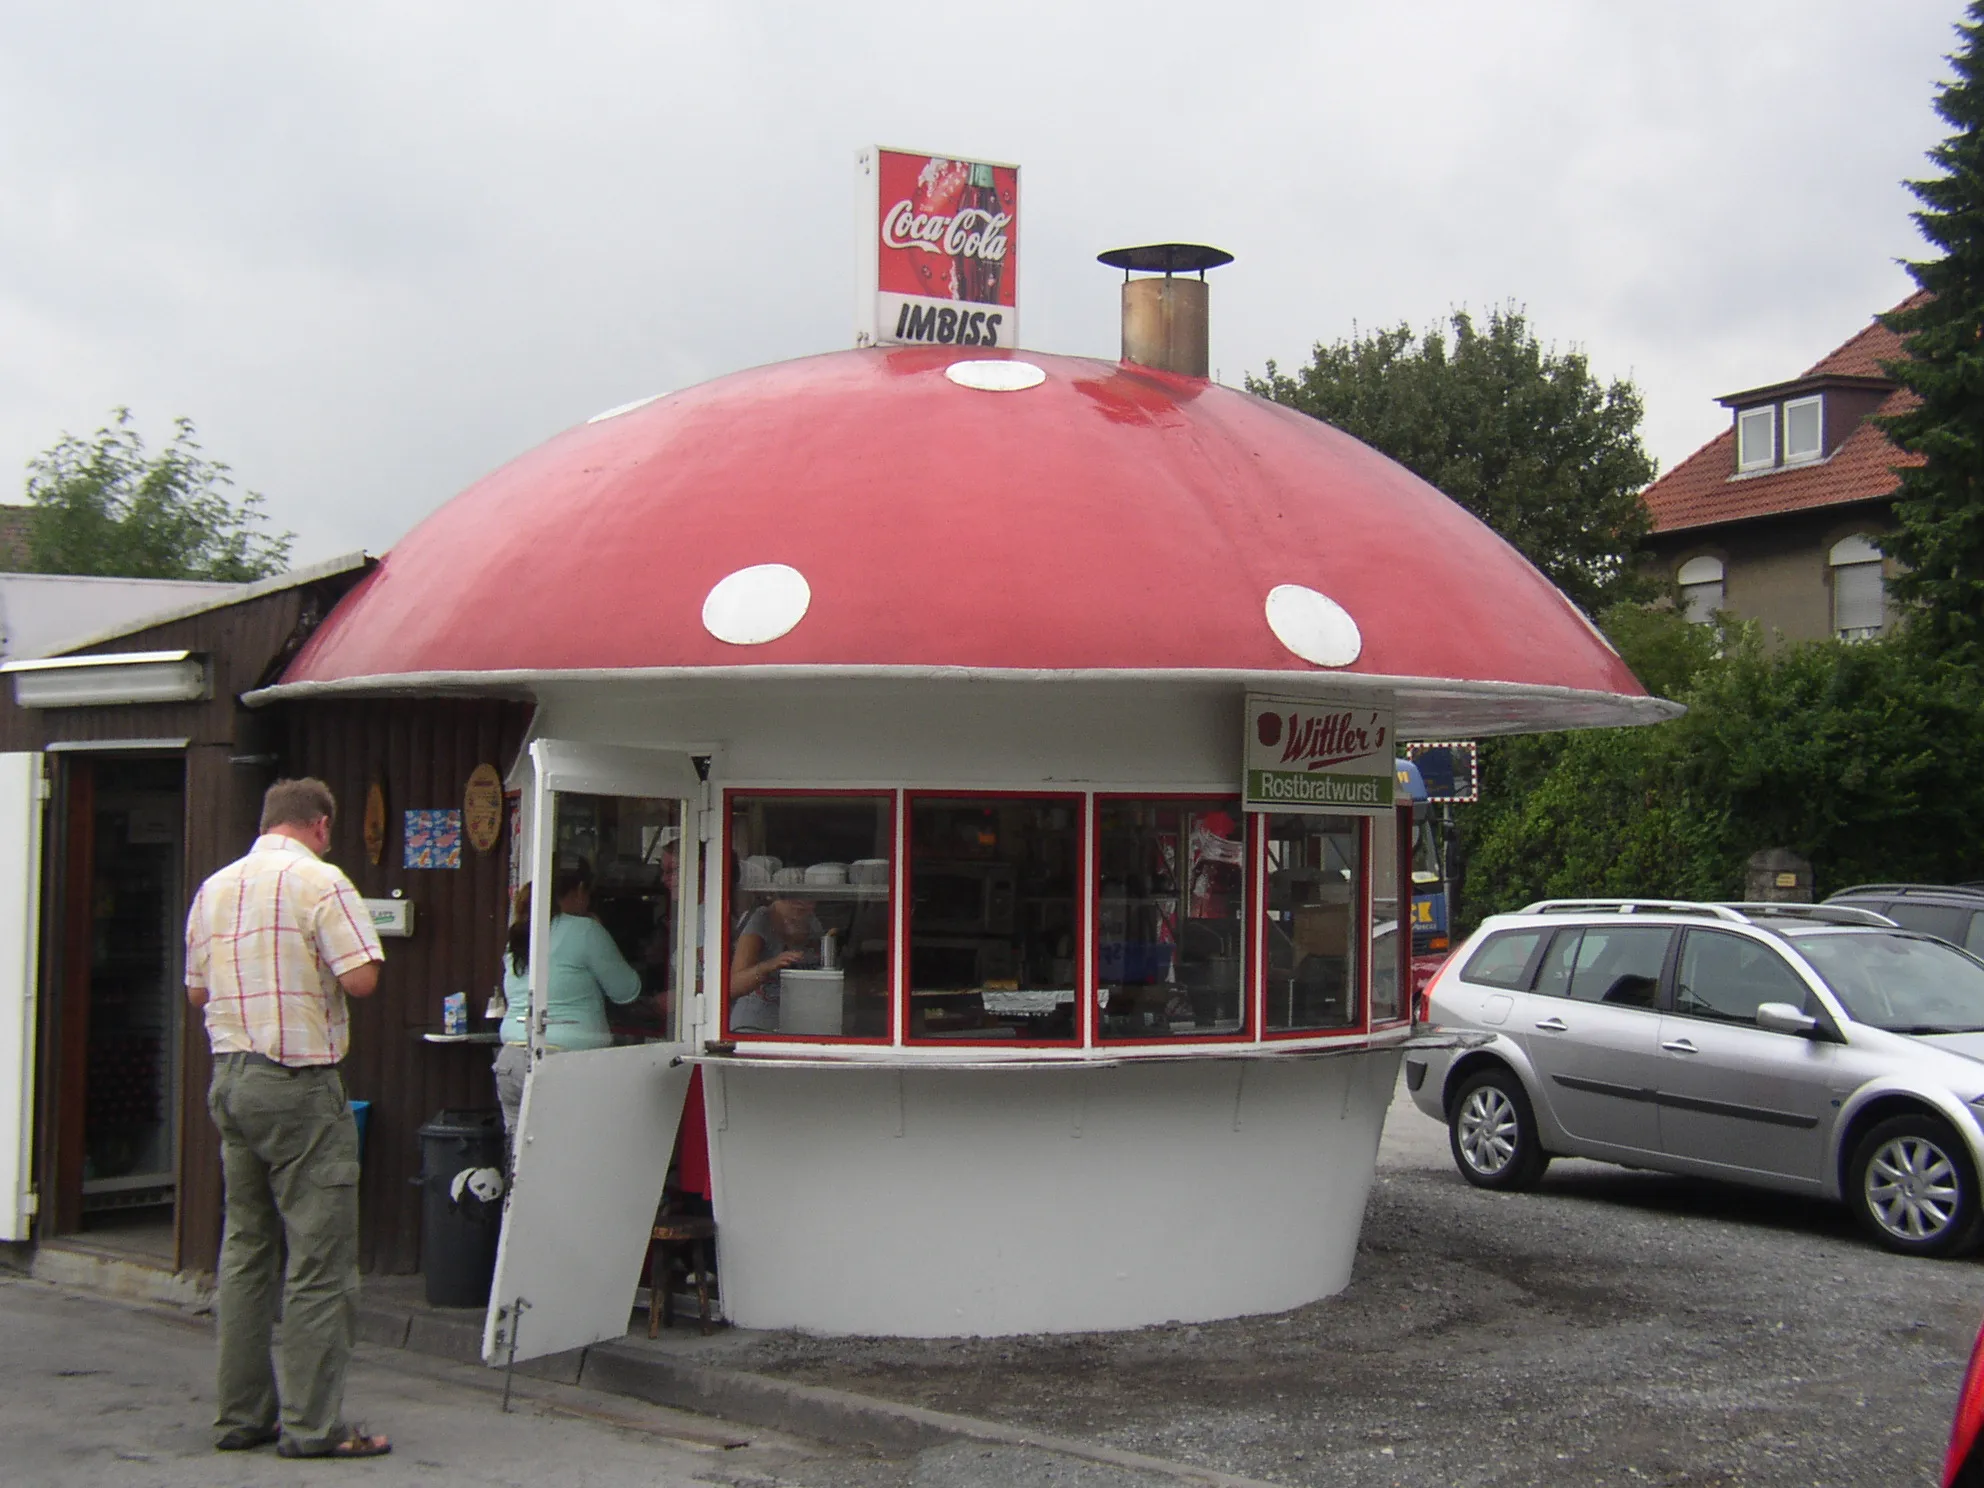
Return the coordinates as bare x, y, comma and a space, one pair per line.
1493, 1132
1912, 1187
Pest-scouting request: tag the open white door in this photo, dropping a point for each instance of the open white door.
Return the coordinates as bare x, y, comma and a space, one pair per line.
20, 938
598, 1126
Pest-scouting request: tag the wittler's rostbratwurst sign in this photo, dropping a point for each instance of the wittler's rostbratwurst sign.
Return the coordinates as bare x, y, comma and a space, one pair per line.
939, 240
1318, 755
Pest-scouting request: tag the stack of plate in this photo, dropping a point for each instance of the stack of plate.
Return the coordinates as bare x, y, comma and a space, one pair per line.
827, 873
756, 872
868, 871
788, 878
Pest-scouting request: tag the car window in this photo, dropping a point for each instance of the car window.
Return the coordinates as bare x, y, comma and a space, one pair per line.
1553, 977
1939, 920
1897, 981
1620, 964
1728, 977
1974, 941
1503, 959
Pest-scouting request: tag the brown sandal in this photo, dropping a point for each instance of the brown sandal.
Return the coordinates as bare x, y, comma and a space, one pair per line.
354, 1443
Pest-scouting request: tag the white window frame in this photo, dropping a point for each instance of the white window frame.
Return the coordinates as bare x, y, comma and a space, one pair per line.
1696, 576
1746, 458
1818, 450
1856, 552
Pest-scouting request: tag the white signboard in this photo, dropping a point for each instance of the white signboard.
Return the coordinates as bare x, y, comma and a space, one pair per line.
1318, 755
939, 251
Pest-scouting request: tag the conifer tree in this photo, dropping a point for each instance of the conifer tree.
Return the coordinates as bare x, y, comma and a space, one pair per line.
1939, 507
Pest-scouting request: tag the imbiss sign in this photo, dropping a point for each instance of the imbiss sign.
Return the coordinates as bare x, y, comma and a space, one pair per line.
1318, 755
939, 251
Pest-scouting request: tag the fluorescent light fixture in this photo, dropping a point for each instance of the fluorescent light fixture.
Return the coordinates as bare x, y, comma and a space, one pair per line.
106, 681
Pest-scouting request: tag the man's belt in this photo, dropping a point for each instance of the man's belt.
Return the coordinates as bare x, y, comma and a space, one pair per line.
238, 1058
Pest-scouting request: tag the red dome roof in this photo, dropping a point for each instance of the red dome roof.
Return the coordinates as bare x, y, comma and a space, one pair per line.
1109, 519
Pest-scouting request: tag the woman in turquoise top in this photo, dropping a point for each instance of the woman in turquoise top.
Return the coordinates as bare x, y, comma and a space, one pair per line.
586, 970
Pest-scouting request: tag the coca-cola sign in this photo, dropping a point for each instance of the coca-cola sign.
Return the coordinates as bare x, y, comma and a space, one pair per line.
939, 246
1319, 754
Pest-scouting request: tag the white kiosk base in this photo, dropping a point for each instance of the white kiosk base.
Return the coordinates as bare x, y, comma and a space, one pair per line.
941, 1202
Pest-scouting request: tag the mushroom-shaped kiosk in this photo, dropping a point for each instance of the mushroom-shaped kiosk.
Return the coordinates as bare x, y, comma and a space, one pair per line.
931, 675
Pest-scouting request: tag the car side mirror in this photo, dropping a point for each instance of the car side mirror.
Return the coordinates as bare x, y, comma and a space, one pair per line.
1782, 1017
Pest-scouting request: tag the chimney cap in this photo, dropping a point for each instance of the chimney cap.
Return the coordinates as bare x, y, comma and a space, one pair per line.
1166, 258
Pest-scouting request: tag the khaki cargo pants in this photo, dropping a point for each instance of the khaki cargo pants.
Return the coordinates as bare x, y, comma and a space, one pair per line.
289, 1155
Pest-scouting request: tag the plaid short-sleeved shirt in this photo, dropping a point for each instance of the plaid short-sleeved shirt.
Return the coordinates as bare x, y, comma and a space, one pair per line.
267, 937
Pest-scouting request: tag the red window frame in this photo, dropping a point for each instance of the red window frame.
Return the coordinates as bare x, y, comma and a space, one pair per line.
1404, 838
1360, 920
1083, 936
730, 889
1249, 1001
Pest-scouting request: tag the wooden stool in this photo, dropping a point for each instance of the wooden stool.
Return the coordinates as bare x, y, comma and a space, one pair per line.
670, 1230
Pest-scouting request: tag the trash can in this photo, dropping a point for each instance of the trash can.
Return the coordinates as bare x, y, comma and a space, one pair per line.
461, 1210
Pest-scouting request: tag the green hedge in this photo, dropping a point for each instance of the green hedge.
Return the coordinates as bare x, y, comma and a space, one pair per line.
1866, 758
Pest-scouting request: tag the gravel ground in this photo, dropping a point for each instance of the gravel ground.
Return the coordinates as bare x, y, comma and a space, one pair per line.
1612, 1328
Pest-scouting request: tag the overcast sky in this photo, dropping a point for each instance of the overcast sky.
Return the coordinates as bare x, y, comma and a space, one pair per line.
376, 249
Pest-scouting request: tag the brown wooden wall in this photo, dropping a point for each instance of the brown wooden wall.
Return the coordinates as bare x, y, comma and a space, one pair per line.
422, 751
244, 643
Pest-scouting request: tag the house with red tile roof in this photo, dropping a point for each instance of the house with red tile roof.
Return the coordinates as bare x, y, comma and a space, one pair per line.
1778, 518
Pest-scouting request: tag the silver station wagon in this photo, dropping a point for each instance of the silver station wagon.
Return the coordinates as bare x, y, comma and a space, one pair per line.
1813, 1049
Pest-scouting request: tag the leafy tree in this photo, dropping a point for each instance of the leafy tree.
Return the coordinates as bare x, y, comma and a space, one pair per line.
1525, 438
102, 505
1865, 758
1940, 506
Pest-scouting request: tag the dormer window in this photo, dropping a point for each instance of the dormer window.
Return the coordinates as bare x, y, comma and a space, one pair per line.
1804, 429
1756, 438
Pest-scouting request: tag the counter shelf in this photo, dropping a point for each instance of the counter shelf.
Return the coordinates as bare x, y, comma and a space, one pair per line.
870, 1056
475, 1036
816, 891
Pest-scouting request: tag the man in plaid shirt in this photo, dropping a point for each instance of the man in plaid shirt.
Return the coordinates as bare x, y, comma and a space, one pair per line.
275, 942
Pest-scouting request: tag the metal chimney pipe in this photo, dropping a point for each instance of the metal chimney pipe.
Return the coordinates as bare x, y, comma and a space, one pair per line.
1165, 321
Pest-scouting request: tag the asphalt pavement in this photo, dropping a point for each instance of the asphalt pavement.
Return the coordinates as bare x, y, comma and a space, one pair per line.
1612, 1328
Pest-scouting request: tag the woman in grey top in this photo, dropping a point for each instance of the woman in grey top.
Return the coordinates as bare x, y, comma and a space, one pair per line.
773, 936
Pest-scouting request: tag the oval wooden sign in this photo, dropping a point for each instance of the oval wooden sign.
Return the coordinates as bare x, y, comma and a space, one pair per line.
375, 823
482, 808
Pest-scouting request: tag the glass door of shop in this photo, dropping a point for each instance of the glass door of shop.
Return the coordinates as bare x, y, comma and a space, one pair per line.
113, 1097
614, 853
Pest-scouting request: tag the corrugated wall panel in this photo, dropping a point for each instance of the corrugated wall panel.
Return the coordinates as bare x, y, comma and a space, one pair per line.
422, 751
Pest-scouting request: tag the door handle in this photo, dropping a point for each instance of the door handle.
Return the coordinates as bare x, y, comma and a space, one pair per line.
1680, 1046
1555, 1025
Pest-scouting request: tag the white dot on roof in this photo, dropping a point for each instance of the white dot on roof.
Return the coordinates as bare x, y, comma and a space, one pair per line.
600, 418
996, 376
756, 604
1313, 626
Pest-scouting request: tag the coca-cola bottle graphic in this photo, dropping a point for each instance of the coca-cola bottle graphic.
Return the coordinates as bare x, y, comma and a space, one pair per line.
939, 186
977, 275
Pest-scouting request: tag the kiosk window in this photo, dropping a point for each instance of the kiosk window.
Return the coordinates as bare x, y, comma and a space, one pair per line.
1312, 922
810, 941
630, 848
1172, 882
994, 922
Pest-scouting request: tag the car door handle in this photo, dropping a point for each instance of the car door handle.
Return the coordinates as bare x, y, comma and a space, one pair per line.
1555, 1025
1680, 1046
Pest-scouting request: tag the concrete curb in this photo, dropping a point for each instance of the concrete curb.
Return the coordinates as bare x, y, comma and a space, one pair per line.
817, 1411
112, 1276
